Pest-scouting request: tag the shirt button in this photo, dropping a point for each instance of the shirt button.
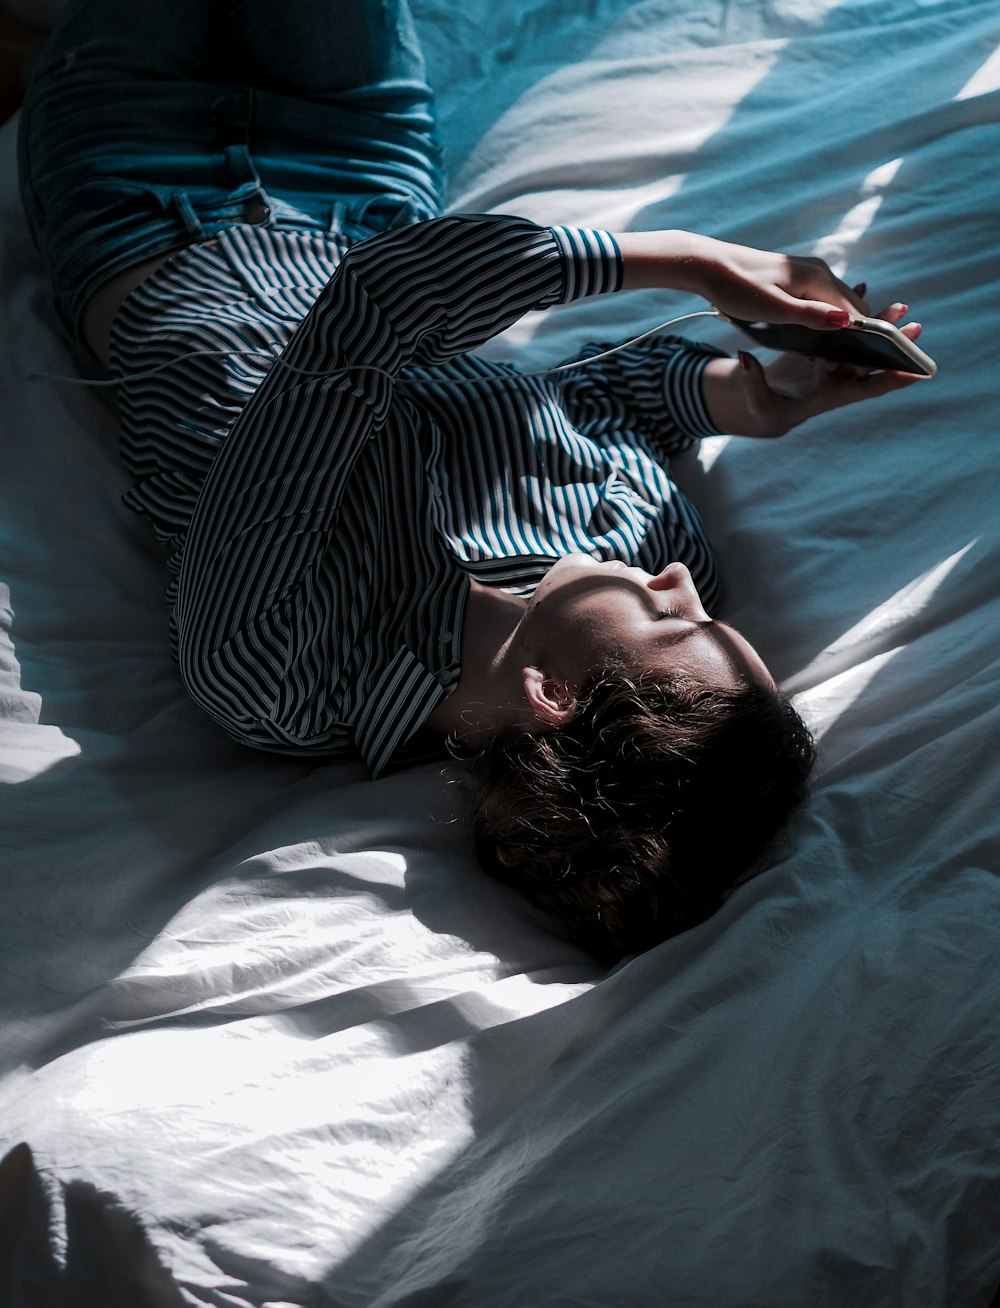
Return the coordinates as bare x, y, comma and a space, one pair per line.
258, 212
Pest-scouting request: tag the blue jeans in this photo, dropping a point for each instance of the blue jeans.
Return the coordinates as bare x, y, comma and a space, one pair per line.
151, 125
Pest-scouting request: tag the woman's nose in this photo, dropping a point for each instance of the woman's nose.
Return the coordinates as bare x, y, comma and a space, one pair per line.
676, 578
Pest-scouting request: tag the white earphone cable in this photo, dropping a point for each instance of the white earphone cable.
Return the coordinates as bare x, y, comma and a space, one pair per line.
368, 367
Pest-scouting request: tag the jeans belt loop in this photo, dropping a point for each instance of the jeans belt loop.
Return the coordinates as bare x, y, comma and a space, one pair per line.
191, 221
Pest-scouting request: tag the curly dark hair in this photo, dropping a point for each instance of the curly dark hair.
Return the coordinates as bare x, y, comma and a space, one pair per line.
629, 824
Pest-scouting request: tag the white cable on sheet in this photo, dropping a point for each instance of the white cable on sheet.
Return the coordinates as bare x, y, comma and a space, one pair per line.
369, 367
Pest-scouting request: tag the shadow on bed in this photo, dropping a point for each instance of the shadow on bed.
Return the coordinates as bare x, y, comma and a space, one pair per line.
106, 1259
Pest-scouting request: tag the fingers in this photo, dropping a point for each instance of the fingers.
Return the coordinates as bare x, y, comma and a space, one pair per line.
851, 386
871, 386
745, 399
817, 314
855, 295
811, 311
894, 313
778, 288
816, 297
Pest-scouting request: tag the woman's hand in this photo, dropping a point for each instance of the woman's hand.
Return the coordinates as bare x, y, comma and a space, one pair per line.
745, 399
742, 282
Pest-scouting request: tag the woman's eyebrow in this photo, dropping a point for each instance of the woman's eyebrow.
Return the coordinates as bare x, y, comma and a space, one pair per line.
674, 637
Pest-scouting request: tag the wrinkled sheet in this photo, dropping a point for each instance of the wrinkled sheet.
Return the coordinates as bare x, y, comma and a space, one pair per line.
272, 1038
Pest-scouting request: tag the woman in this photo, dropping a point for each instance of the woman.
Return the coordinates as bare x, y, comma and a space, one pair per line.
376, 540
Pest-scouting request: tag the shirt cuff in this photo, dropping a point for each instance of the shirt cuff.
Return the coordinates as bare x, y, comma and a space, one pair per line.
592, 262
684, 392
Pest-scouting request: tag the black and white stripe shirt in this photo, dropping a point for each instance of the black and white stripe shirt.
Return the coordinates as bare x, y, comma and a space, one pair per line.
322, 523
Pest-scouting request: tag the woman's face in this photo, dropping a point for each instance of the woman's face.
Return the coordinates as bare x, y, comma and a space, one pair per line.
585, 614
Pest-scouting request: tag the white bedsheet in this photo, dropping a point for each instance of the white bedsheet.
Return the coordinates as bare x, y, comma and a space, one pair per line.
271, 1036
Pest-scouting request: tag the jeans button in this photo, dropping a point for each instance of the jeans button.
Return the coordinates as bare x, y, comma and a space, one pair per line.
258, 212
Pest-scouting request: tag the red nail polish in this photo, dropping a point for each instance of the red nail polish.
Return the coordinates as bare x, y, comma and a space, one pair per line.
744, 359
838, 318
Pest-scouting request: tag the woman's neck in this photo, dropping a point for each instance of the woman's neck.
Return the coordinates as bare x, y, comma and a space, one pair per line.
489, 692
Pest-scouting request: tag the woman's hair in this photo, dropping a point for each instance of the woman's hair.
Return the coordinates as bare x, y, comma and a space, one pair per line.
629, 824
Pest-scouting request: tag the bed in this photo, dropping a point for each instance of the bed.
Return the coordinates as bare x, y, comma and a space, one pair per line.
270, 1037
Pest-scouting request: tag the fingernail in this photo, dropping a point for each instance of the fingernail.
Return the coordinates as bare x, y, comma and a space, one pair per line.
838, 318
744, 359
861, 288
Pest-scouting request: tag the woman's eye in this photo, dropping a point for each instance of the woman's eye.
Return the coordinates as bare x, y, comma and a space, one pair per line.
669, 613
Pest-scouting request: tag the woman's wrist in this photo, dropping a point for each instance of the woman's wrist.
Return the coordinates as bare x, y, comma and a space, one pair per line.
723, 397
663, 260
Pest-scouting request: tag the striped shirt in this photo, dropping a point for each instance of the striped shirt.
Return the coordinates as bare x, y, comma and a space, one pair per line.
322, 522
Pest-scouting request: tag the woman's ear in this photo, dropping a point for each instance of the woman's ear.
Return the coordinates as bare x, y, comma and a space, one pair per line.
549, 699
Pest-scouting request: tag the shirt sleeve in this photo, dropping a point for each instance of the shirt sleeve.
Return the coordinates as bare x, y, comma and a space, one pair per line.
253, 600
655, 384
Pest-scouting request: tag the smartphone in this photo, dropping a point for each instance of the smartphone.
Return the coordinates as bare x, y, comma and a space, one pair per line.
867, 342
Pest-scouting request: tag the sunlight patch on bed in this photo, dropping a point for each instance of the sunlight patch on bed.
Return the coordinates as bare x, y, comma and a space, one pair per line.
629, 147
842, 672
709, 450
985, 79
836, 247
626, 179
345, 1135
